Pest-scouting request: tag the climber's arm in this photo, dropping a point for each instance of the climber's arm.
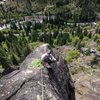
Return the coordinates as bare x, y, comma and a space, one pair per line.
52, 58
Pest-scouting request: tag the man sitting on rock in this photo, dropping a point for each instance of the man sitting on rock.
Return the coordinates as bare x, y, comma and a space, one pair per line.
47, 58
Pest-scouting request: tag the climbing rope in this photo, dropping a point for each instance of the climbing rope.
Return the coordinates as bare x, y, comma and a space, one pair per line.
42, 85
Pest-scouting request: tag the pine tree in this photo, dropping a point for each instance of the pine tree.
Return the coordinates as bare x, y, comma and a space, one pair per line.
55, 33
98, 30
13, 26
34, 36
59, 40
64, 38
79, 30
49, 39
2, 38
85, 32
78, 45
15, 59
27, 50
4, 59
90, 35
81, 36
41, 37
19, 50
20, 27
87, 6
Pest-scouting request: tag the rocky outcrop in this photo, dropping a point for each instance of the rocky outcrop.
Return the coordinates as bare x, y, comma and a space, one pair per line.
38, 84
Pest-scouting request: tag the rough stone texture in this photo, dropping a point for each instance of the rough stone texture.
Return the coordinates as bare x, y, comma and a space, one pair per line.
86, 78
87, 86
38, 84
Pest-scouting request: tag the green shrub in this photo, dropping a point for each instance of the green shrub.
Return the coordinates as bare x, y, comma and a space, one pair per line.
36, 63
98, 47
85, 38
72, 54
75, 40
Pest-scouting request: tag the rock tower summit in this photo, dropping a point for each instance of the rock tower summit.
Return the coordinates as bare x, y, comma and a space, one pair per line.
31, 84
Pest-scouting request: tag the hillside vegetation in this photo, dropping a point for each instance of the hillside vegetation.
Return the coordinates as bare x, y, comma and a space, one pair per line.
72, 30
65, 10
63, 23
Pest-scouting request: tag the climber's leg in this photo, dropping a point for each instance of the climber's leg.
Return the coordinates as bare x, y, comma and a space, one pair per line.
50, 70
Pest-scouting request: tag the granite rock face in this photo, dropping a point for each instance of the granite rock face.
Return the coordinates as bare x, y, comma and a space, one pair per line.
38, 84
87, 87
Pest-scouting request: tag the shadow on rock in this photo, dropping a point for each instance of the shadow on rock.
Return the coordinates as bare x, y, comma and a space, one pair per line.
61, 80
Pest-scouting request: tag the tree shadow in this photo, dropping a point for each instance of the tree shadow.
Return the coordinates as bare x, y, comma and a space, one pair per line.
8, 70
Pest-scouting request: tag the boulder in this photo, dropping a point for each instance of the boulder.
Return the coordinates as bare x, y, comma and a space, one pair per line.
85, 50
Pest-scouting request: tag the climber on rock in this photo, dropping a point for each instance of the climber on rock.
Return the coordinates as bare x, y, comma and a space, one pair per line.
47, 58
